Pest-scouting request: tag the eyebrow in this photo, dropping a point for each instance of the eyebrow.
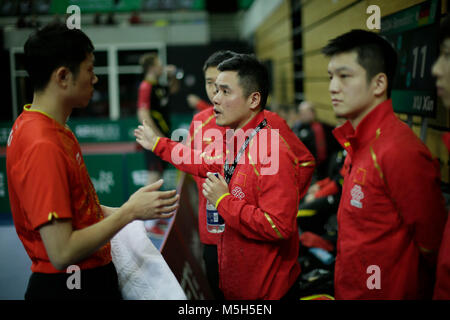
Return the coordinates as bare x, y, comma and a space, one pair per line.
223, 86
340, 69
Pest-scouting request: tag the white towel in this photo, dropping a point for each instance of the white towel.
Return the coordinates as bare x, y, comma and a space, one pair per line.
143, 273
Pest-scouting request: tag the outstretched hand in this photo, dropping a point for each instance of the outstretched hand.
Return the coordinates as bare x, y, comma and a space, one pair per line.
145, 136
150, 203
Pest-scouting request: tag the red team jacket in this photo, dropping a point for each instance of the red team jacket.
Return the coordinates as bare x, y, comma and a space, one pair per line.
258, 250
206, 120
391, 211
442, 287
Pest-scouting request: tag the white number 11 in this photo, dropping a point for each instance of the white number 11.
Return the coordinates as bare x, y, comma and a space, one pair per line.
423, 51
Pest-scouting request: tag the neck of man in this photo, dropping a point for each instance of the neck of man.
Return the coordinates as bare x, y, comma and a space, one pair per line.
252, 114
357, 120
52, 105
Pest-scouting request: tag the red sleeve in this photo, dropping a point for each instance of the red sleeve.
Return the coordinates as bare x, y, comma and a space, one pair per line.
413, 180
203, 105
323, 182
145, 90
189, 160
274, 217
191, 145
45, 189
328, 189
303, 157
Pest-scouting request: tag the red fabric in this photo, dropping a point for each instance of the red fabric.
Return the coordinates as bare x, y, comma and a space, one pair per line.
391, 209
302, 156
203, 105
261, 226
204, 121
47, 179
442, 287
144, 92
312, 240
328, 189
323, 182
321, 141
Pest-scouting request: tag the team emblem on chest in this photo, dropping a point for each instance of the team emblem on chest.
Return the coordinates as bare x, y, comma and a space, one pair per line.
357, 196
238, 193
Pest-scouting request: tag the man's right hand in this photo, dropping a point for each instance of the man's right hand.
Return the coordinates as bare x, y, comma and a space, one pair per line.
145, 136
150, 203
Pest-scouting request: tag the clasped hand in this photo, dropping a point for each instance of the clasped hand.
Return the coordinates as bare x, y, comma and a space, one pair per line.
214, 187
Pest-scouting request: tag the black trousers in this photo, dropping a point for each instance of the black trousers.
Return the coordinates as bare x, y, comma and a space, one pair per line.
212, 270
96, 284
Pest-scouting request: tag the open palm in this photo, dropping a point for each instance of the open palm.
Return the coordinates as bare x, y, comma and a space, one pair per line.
145, 136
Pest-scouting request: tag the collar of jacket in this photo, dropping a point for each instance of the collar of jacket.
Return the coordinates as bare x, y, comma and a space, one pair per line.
252, 124
367, 130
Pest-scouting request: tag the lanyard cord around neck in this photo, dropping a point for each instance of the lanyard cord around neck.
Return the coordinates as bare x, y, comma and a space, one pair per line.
229, 169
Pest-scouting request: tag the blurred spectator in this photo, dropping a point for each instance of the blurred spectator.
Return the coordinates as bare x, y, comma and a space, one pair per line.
110, 20
312, 135
97, 19
135, 18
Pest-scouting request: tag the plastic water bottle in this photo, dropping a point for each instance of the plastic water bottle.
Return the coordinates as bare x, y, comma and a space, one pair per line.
214, 222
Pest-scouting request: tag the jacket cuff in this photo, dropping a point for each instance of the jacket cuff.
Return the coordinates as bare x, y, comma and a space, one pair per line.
156, 143
221, 197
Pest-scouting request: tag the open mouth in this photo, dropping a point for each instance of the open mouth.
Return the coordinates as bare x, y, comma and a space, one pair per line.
217, 112
335, 102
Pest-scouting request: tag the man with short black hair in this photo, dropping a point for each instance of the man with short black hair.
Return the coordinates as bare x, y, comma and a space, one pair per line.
391, 213
258, 249
54, 205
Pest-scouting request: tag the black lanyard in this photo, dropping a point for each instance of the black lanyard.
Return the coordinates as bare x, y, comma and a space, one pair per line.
229, 170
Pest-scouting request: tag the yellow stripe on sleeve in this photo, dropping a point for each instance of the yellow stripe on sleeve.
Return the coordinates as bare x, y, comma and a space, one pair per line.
274, 227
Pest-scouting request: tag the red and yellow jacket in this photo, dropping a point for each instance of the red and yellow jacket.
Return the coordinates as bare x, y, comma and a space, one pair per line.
206, 120
258, 250
391, 214
442, 287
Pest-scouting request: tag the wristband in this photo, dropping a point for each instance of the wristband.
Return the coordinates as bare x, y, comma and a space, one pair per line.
221, 197
156, 143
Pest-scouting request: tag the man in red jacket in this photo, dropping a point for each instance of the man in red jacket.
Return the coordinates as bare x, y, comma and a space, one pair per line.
441, 70
258, 250
201, 123
391, 214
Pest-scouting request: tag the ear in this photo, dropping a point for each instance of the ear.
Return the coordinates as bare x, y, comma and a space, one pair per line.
62, 75
254, 100
380, 83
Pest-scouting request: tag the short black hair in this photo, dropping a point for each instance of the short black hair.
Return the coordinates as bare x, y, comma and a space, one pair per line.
444, 30
374, 53
253, 75
216, 58
54, 46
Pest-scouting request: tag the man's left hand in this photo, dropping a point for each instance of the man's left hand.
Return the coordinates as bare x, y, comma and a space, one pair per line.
214, 187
